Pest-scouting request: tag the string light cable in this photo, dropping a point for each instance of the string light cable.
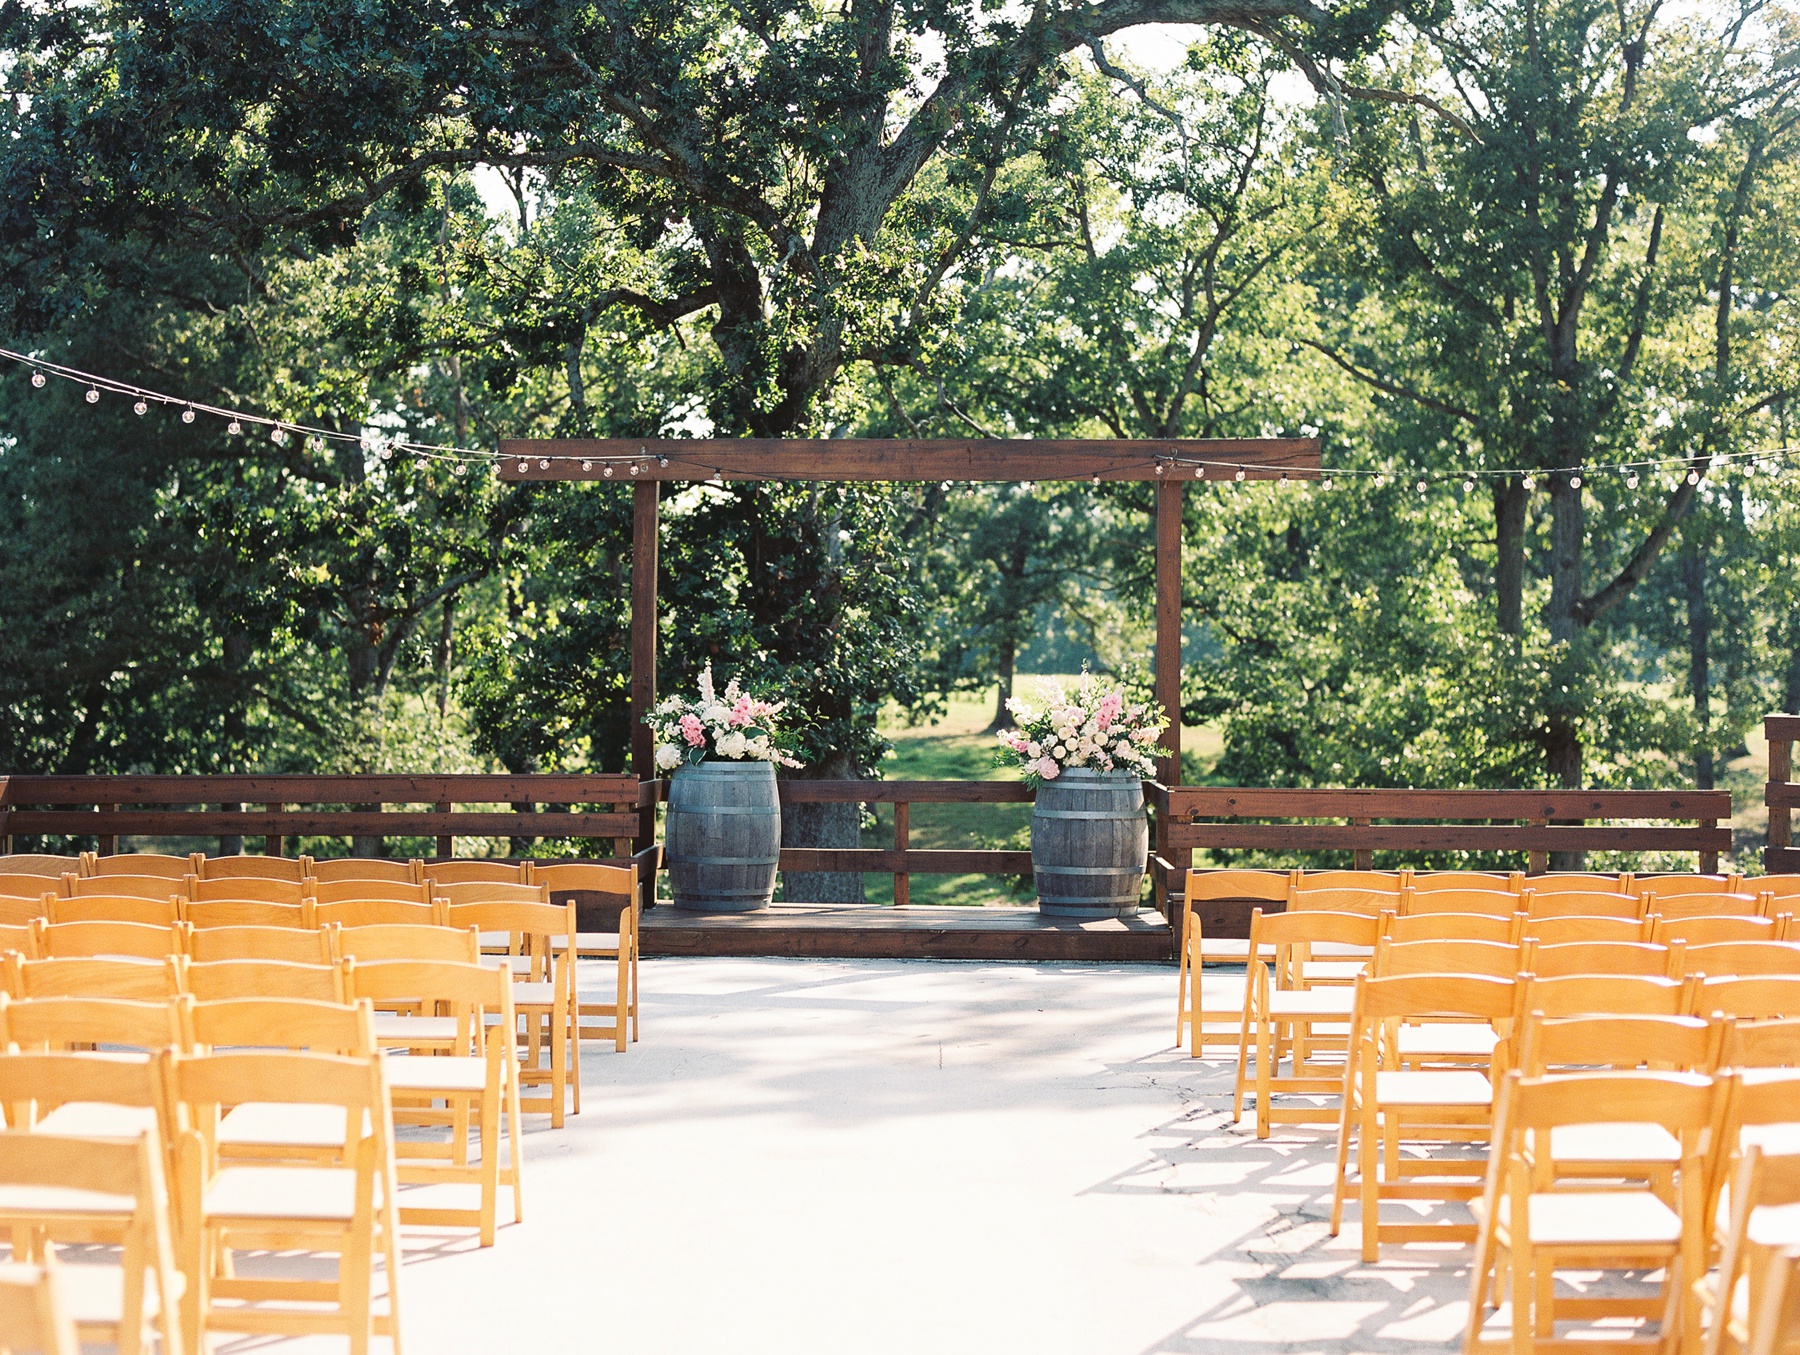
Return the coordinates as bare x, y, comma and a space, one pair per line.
1770, 461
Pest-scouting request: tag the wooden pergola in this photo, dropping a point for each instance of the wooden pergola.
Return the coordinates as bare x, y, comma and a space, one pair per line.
1170, 464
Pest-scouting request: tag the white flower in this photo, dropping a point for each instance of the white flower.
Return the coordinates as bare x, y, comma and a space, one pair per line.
1034, 749
731, 745
716, 714
1091, 728
668, 756
1060, 750
1123, 747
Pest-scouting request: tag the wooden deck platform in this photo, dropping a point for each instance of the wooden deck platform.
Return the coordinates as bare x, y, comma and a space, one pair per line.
868, 931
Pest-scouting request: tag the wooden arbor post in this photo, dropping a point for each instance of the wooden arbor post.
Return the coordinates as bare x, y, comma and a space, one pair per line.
1166, 464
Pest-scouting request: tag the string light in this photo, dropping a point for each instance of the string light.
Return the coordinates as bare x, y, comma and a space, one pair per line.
1528, 484
1325, 483
587, 465
140, 409
1161, 470
1693, 477
187, 415
1380, 480
1240, 474
1199, 472
607, 471
93, 395
524, 466
544, 464
1631, 480
1421, 486
38, 379
636, 469
234, 428
1468, 486
1574, 482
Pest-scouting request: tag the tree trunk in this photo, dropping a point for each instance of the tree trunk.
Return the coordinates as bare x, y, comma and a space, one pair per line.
823, 825
1693, 568
1002, 716
1562, 731
1510, 503
445, 650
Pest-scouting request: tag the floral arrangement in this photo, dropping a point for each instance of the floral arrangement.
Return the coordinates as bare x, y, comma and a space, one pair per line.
1095, 728
730, 725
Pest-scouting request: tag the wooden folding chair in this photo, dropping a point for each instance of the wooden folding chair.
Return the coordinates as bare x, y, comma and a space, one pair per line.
1764, 1220
24, 912
1743, 958
1721, 904
470, 871
1605, 995
332, 869
1225, 999
1640, 958
1439, 881
473, 1072
418, 912
1750, 1043
541, 951
20, 940
1496, 903
1562, 931
1574, 903
55, 1083
1385, 1104
1580, 882
1569, 1224
1775, 1327
137, 980
1281, 1011
1757, 997
1369, 901
1366, 881
65, 1024
1406, 928
1713, 930
406, 941
224, 979
1681, 886
249, 913
55, 1188
157, 887
358, 891
51, 868
294, 945
34, 1312
114, 908
336, 1203
609, 887
138, 864
249, 888
249, 868
66, 940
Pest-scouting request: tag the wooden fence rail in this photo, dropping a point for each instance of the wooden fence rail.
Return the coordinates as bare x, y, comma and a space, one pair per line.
1536, 822
1781, 794
110, 807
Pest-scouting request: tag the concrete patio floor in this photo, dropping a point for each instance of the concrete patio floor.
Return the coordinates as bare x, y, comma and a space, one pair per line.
825, 1157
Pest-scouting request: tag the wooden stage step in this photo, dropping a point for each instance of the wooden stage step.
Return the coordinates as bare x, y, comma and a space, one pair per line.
917, 932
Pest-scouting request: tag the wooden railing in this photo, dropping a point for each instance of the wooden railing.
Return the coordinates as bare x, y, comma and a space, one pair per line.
1781, 794
1536, 822
902, 860
110, 807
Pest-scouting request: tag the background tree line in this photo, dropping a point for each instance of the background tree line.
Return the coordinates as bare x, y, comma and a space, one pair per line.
1515, 236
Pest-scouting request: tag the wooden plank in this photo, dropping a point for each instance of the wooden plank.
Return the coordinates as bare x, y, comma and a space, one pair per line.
1323, 803
1448, 837
902, 841
884, 860
1781, 794
893, 459
1781, 860
920, 932
446, 843
1781, 727
610, 788
322, 823
645, 539
912, 792
1167, 690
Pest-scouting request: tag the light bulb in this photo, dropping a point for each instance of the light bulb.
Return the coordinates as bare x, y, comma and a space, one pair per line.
1199, 472
458, 469
1093, 479
1421, 486
608, 472
587, 465
1528, 484
140, 408
1574, 482
636, 469
421, 464
1380, 480
93, 396
1631, 481
662, 460
278, 435
1239, 475
234, 428
1161, 469
38, 379
1282, 478
187, 415
544, 463
1693, 477
1325, 483
1468, 486
524, 466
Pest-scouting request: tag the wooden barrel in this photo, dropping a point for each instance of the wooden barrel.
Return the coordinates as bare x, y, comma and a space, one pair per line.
722, 838
1089, 844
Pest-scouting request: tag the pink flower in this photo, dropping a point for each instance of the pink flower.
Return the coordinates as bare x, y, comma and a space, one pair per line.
1046, 767
692, 730
743, 712
1110, 705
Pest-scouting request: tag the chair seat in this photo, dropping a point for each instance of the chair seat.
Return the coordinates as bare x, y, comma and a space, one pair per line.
597, 945
1342, 970
1774, 1225
282, 1124
98, 1120
1463, 1039
255, 1194
455, 1074
94, 1294
1449, 1088
1285, 1002
1600, 1143
1617, 1218
62, 1200
393, 1028
534, 993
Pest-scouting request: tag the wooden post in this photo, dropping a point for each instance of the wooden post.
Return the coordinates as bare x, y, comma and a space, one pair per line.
1169, 501
273, 845
1709, 860
1781, 816
902, 840
1361, 857
1536, 863
107, 844
446, 844
643, 645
